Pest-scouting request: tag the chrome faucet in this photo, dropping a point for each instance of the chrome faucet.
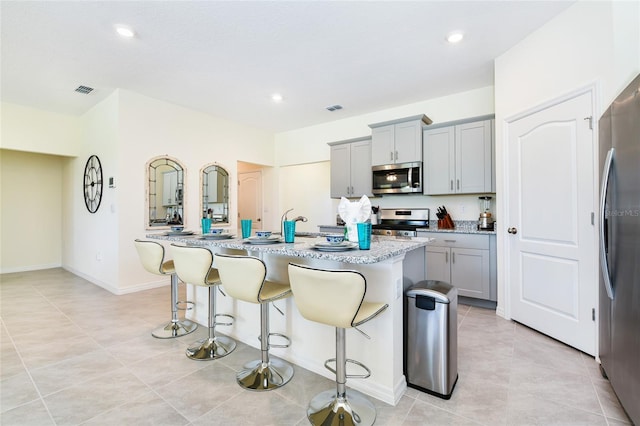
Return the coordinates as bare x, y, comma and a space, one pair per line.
284, 217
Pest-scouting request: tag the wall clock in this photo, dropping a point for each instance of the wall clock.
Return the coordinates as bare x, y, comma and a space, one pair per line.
92, 184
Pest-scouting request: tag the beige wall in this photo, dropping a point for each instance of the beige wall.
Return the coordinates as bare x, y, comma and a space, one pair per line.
33, 130
31, 211
590, 43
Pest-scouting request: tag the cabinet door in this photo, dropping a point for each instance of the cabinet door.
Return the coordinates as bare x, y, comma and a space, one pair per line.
438, 263
340, 170
439, 161
382, 145
408, 142
473, 157
360, 169
470, 272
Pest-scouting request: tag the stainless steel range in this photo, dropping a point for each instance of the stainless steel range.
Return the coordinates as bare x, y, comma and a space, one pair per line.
401, 222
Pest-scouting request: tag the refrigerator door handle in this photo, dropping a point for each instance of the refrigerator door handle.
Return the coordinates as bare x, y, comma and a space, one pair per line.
604, 262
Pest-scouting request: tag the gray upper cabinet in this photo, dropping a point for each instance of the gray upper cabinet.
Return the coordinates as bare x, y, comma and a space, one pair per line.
397, 141
351, 168
458, 158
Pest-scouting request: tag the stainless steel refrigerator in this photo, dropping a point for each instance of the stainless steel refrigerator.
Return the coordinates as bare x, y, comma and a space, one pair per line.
620, 247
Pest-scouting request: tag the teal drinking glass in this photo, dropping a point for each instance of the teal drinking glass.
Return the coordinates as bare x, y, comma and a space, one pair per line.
206, 225
246, 228
289, 231
364, 236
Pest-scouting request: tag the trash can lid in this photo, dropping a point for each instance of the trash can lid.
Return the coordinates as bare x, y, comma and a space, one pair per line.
441, 291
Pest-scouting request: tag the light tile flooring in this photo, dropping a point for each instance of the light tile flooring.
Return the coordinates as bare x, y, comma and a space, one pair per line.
73, 353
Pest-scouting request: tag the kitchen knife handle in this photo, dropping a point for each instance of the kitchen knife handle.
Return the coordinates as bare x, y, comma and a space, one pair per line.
604, 189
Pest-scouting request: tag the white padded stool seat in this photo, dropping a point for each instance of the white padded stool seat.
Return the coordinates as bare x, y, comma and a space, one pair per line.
152, 257
336, 298
244, 278
194, 266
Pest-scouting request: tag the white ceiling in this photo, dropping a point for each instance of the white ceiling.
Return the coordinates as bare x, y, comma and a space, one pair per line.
227, 58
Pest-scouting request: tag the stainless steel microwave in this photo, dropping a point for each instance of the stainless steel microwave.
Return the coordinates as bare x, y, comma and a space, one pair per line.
402, 178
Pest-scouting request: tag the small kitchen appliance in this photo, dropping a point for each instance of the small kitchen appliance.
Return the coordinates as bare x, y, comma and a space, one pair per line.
485, 221
401, 222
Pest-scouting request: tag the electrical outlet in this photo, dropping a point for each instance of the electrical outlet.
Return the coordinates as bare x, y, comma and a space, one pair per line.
99, 256
462, 207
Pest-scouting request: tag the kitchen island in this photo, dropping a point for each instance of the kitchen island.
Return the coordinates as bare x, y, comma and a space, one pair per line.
392, 265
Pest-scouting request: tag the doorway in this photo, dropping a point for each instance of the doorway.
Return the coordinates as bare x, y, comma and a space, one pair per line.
250, 197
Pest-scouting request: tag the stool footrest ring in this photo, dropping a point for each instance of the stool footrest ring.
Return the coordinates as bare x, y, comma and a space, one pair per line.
349, 376
277, 345
216, 323
189, 304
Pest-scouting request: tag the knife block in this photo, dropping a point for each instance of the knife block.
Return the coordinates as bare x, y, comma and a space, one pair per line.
446, 223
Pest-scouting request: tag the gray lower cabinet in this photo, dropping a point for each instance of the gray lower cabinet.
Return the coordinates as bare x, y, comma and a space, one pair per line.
466, 261
351, 168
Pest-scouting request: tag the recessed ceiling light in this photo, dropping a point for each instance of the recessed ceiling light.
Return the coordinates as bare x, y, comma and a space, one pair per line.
276, 97
455, 37
125, 31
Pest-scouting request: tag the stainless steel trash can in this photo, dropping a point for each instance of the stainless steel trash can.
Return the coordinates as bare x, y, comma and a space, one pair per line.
431, 347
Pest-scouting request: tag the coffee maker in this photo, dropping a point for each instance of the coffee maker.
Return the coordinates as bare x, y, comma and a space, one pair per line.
485, 221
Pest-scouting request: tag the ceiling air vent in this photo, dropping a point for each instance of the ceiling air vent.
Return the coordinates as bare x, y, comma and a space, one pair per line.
84, 89
334, 108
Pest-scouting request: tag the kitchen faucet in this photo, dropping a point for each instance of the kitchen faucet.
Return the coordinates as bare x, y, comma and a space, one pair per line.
284, 217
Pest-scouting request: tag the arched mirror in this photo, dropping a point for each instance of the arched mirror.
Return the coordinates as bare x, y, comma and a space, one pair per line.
165, 193
214, 189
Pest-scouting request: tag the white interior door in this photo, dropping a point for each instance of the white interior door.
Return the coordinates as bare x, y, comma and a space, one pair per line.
552, 238
250, 198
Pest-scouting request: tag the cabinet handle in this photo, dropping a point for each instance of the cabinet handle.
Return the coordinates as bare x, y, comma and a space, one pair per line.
352, 190
449, 241
396, 156
452, 184
347, 190
446, 257
453, 257
391, 155
458, 180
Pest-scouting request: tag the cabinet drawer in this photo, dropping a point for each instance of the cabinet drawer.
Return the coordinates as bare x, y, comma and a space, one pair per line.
450, 239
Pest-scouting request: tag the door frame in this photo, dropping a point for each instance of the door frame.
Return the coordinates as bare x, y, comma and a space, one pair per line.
502, 237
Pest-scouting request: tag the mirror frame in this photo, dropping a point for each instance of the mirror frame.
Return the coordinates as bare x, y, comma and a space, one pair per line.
207, 168
153, 164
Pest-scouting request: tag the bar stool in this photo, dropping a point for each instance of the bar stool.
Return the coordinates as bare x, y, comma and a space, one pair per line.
152, 257
193, 266
336, 298
243, 277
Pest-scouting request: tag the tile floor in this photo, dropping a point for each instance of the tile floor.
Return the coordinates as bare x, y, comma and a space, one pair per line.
73, 353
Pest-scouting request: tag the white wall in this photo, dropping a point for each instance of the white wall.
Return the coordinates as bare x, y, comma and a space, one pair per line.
591, 42
148, 128
315, 138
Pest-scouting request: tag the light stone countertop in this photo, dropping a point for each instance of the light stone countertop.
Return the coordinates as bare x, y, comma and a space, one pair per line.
382, 247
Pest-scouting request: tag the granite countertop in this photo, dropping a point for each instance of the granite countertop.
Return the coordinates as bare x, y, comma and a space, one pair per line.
382, 247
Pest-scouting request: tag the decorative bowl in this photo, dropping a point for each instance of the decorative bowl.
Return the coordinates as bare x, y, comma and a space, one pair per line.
177, 228
263, 234
335, 238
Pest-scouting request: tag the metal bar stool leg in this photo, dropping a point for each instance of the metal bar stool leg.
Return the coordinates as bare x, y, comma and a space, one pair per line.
339, 407
266, 373
175, 328
214, 346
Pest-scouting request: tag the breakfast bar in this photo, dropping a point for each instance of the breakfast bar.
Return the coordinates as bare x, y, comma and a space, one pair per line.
390, 266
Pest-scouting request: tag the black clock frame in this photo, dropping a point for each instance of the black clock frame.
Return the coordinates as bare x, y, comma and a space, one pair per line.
92, 184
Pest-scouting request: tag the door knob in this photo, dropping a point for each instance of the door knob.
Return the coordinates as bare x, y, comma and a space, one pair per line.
258, 220
512, 230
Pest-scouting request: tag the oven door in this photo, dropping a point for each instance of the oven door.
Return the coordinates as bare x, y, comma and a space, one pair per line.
397, 178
